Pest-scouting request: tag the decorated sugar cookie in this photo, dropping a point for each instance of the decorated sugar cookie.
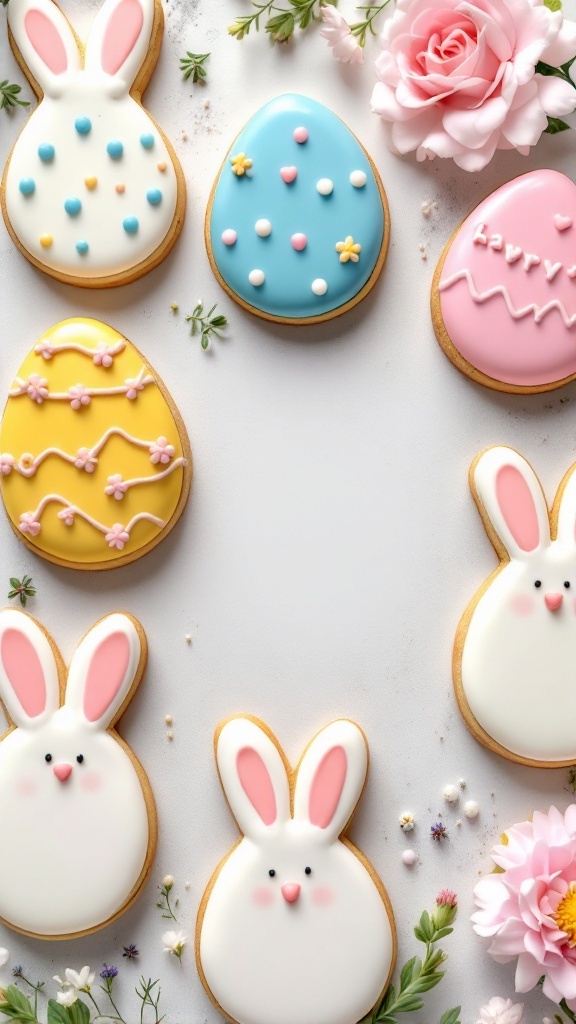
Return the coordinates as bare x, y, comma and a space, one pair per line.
93, 193
504, 291
297, 225
515, 649
295, 926
95, 463
79, 819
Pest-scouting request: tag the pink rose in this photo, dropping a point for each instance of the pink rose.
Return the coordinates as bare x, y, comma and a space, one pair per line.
336, 31
457, 79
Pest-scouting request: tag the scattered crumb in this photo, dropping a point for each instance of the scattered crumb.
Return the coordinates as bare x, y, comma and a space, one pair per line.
187, 885
188, 638
170, 735
409, 858
459, 823
168, 719
462, 783
206, 104
451, 794
428, 206
184, 137
174, 307
471, 809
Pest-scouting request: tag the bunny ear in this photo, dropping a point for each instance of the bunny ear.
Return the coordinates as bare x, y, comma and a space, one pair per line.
120, 37
508, 494
44, 39
104, 669
29, 686
330, 778
566, 505
253, 776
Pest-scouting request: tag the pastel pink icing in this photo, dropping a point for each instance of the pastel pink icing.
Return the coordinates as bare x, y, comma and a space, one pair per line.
22, 666
106, 675
121, 35
327, 786
517, 507
523, 352
46, 41
256, 783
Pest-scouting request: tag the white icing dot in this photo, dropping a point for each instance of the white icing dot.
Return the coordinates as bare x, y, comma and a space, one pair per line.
319, 286
358, 179
471, 809
263, 227
325, 186
409, 858
229, 236
451, 794
256, 277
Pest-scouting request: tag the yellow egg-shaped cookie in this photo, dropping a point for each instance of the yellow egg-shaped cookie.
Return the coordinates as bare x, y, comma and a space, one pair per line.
95, 462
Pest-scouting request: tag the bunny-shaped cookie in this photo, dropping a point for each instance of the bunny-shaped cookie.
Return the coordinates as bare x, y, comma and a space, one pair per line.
79, 820
295, 927
515, 650
93, 193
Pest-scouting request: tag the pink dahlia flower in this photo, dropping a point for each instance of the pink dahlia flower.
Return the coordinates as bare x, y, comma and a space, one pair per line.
529, 910
458, 78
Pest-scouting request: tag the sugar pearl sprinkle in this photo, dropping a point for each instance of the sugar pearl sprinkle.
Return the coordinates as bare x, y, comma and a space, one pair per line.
471, 809
299, 241
358, 179
319, 286
168, 719
451, 794
263, 228
325, 186
301, 135
256, 277
409, 858
229, 236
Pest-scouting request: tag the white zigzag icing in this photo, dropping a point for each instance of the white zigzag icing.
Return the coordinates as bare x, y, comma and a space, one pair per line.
538, 312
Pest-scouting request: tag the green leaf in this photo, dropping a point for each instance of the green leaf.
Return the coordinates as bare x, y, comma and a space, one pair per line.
18, 1000
14, 582
553, 5
280, 27
441, 934
451, 1016
425, 927
57, 1014
410, 971
556, 125
79, 1013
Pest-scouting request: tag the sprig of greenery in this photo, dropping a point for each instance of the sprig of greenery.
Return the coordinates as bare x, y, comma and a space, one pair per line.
206, 325
419, 975
9, 94
164, 901
280, 26
22, 589
149, 997
5, 3
192, 66
16, 1006
360, 29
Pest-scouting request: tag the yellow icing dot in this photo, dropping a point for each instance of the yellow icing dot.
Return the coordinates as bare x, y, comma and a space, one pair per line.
46, 241
565, 915
240, 164
91, 183
349, 250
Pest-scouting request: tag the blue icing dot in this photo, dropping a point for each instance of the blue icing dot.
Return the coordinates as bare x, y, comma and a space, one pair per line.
73, 206
130, 225
268, 140
82, 247
83, 125
147, 140
46, 151
115, 149
27, 186
154, 196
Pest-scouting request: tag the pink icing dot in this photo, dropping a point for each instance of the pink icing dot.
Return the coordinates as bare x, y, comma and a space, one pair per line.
299, 241
229, 236
300, 135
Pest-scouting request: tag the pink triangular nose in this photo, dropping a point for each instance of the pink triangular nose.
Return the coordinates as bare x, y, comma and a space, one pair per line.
62, 771
291, 891
553, 601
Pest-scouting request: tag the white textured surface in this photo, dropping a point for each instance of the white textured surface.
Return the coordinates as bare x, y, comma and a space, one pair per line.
330, 544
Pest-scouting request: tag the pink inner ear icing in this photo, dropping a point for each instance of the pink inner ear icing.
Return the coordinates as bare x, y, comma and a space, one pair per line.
256, 783
105, 675
121, 35
45, 39
22, 666
327, 786
518, 508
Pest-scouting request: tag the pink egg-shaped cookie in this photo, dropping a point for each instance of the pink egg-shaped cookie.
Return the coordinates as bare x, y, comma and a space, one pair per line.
504, 291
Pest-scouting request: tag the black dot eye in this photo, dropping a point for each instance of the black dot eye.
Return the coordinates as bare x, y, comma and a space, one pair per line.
271, 872
48, 758
537, 583
307, 871
80, 758
567, 584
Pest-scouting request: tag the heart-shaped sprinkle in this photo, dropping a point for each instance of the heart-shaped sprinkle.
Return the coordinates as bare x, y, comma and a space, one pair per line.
572, 272
513, 253
288, 174
91, 183
551, 269
562, 223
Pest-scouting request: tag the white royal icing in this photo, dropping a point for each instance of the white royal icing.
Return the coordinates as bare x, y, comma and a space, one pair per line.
268, 957
76, 848
518, 667
137, 190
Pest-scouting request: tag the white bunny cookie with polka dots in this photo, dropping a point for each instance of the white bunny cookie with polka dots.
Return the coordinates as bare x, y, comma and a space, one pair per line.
93, 193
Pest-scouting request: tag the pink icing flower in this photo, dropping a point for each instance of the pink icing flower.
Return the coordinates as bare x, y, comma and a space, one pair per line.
133, 386
7, 463
44, 349
67, 515
29, 524
161, 451
501, 1011
336, 32
103, 356
117, 536
37, 388
78, 396
529, 911
458, 80
116, 487
446, 898
85, 460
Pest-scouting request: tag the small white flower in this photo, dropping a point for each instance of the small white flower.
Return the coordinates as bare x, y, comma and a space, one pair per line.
4, 956
174, 942
168, 881
80, 980
67, 997
501, 1011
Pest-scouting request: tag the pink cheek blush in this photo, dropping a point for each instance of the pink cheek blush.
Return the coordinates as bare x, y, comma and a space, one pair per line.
91, 781
523, 604
322, 896
26, 788
262, 896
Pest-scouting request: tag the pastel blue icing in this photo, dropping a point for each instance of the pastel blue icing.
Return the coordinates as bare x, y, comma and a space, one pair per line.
154, 196
83, 125
238, 202
82, 247
27, 186
147, 140
115, 149
130, 225
46, 151
72, 206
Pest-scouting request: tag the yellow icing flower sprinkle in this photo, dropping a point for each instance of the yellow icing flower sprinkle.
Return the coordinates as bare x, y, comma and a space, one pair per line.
349, 250
91, 183
46, 241
565, 915
240, 164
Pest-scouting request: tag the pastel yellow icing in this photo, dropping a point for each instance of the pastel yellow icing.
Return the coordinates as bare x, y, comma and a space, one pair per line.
28, 428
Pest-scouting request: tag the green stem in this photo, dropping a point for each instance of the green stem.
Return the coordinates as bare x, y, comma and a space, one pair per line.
566, 1009
360, 29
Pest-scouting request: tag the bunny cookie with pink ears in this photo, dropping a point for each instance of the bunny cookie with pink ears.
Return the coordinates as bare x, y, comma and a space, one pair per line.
295, 926
82, 821
93, 193
515, 651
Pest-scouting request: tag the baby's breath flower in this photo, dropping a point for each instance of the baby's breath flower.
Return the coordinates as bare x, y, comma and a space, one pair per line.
174, 943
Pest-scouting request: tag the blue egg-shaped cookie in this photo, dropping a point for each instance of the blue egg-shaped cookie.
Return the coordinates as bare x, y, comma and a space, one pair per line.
297, 225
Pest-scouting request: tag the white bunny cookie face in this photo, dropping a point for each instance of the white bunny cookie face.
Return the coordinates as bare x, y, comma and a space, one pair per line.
515, 650
92, 193
295, 927
82, 819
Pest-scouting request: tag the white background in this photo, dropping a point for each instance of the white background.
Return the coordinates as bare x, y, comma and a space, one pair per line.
330, 544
